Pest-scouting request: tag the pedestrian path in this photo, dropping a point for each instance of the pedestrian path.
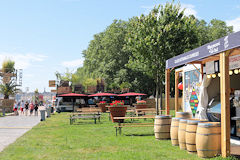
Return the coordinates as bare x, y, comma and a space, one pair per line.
13, 127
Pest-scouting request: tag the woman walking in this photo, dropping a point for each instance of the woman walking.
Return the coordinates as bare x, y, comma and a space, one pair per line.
31, 108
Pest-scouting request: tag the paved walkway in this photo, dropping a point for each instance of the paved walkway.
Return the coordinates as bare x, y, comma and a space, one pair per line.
13, 127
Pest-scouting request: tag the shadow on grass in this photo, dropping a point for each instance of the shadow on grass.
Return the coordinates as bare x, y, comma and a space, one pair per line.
235, 156
140, 135
82, 123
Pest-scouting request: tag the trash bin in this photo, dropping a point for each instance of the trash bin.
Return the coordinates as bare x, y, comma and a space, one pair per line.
48, 112
42, 112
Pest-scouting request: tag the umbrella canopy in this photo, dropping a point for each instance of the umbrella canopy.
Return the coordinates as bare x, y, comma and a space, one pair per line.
73, 95
132, 94
102, 95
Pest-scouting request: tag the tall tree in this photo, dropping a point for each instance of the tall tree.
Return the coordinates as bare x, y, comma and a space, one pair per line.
158, 36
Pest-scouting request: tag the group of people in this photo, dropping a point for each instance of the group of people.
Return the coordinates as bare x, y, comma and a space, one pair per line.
25, 107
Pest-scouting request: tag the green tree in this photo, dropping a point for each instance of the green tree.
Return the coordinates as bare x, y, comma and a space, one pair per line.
8, 89
163, 33
212, 31
105, 57
8, 66
66, 76
218, 29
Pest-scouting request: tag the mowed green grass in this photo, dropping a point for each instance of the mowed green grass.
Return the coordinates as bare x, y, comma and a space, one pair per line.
55, 139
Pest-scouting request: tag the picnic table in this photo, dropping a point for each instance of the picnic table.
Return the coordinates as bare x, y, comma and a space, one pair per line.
145, 110
85, 115
89, 109
122, 124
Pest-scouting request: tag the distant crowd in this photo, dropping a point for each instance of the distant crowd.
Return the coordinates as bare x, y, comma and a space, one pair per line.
25, 108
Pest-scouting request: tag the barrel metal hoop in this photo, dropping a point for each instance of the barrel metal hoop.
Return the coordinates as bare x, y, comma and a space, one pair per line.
190, 131
173, 139
182, 129
209, 126
163, 117
190, 144
183, 122
207, 150
209, 134
175, 126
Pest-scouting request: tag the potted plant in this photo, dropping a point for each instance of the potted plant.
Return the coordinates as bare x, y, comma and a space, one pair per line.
102, 106
117, 109
141, 104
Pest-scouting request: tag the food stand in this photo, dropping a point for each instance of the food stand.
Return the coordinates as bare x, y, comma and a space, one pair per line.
214, 57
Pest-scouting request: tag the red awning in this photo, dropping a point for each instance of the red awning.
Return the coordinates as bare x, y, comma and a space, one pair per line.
132, 94
73, 95
102, 95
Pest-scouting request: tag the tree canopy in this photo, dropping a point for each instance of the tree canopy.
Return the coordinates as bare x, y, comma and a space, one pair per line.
132, 53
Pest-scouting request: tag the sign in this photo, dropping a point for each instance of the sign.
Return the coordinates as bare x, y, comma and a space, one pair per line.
52, 83
220, 45
209, 67
54, 91
234, 62
63, 90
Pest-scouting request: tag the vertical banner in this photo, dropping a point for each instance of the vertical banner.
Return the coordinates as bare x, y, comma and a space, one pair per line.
192, 83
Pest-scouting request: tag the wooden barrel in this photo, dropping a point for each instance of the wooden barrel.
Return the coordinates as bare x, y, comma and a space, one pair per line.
181, 133
208, 139
183, 115
190, 135
162, 127
174, 131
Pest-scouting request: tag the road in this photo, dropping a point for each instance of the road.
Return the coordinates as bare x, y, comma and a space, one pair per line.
13, 127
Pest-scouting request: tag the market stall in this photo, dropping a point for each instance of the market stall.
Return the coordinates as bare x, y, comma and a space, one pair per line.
218, 60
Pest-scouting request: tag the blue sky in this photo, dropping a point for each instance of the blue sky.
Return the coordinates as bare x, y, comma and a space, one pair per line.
45, 36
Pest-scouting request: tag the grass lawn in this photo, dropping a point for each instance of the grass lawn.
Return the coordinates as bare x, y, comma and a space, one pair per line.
56, 139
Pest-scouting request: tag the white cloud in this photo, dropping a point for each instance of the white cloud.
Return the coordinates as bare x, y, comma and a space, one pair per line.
235, 23
73, 63
189, 9
22, 61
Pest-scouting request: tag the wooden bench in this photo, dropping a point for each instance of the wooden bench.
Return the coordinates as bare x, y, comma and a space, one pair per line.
145, 110
75, 116
89, 110
121, 125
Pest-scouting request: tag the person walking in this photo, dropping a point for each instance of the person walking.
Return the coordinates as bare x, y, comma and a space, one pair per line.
15, 108
31, 108
22, 107
26, 108
36, 109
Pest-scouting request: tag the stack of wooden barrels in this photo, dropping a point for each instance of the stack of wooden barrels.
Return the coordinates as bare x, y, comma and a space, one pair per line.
196, 136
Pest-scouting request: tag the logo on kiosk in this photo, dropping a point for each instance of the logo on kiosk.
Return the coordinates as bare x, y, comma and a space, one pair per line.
226, 42
213, 48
